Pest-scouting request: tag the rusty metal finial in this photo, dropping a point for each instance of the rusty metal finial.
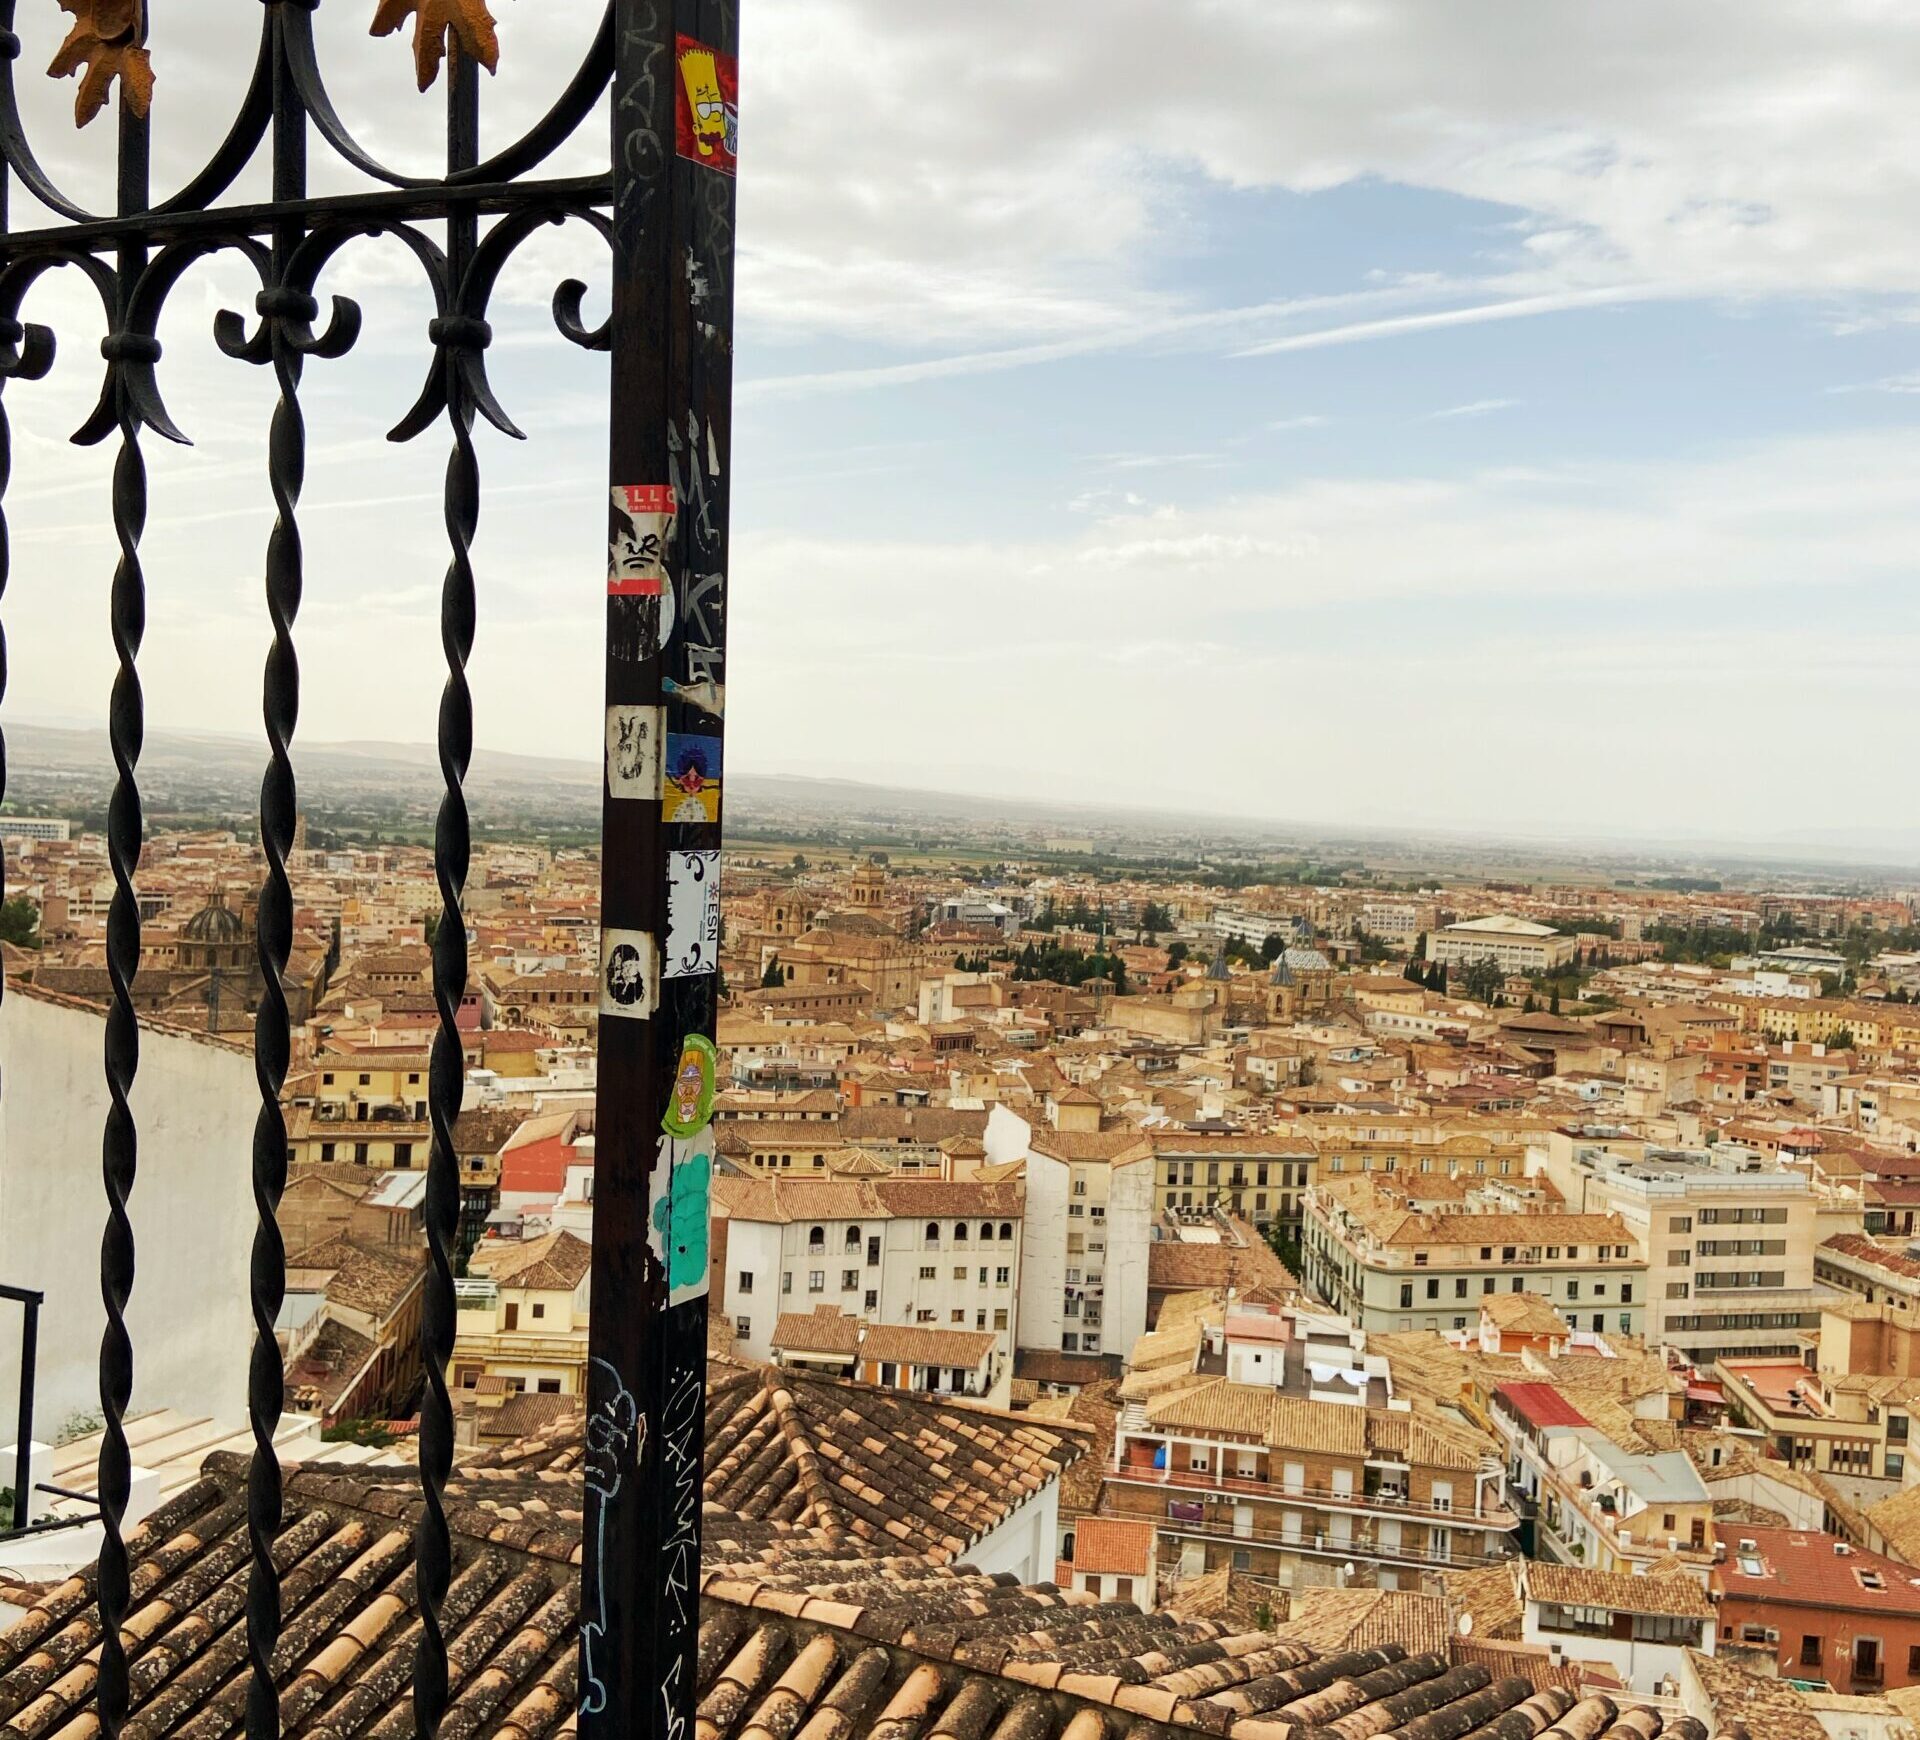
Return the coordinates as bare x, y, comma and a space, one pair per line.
468, 21
106, 39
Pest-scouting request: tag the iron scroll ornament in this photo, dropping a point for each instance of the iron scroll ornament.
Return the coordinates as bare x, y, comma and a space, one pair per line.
134, 258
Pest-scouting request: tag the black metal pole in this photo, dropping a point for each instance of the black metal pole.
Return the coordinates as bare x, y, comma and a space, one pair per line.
675, 121
30, 1303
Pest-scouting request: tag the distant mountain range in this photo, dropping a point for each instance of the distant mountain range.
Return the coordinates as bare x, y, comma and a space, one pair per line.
64, 770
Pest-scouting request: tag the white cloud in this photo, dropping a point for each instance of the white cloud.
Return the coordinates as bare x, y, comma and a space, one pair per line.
1473, 408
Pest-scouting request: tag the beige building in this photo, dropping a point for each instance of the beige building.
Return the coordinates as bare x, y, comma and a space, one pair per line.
1729, 1237
523, 1315
1515, 945
1386, 1263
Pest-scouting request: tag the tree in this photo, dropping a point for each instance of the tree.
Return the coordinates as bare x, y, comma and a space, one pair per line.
1482, 981
799, 861
1119, 977
772, 979
20, 923
1553, 1002
1420, 947
1271, 949
430, 926
1840, 1039
1176, 952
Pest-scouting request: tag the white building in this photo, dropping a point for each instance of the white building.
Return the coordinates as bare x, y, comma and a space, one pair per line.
890, 1251
192, 1211
1514, 945
1089, 1197
1641, 1627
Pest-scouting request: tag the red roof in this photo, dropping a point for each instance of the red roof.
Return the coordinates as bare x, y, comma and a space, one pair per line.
539, 1166
1108, 1545
1798, 1567
1542, 1405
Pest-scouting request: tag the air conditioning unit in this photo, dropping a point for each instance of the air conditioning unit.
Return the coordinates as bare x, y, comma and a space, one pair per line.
1772, 1635
1841, 1549
1749, 1546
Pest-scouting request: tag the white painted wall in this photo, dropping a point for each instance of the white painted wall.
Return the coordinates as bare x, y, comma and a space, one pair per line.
1043, 1273
192, 1212
1024, 1543
1129, 1231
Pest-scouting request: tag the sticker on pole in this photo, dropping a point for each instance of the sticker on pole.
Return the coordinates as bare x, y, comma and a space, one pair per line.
693, 915
707, 113
690, 778
695, 1082
639, 591
680, 1192
629, 974
633, 751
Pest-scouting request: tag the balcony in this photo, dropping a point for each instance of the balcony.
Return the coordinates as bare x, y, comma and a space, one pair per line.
1322, 1543
1359, 1503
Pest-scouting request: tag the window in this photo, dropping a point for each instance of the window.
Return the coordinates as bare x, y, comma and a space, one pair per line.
1000, 1320
923, 1316
1626, 1292
743, 1328
959, 1317
403, 1156
872, 1302
960, 1272
1433, 1289
359, 1153
1897, 1428
786, 1280
1406, 1293
1006, 1229
549, 1386
326, 1150
539, 1310
933, 1232
745, 1284
1486, 1283
1677, 1289
1460, 1287
983, 1275
853, 1238
927, 1271
1000, 1277
849, 1280
816, 1280
1680, 1223
1573, 1289
817, 1238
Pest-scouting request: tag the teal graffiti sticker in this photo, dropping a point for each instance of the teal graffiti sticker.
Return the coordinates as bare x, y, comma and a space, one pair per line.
680, 1215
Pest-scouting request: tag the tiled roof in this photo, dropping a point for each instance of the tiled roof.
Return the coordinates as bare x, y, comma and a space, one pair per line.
1679, 1596
374, 1278
869, 1464
916, 1344
555, 1263
1337, 1620
824, 1329
1113, 1545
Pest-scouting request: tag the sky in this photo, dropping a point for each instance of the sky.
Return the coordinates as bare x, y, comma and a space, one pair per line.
1354, 412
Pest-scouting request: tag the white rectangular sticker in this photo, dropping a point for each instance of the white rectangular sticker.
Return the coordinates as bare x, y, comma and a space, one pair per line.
629, 974
633, 751
693, 914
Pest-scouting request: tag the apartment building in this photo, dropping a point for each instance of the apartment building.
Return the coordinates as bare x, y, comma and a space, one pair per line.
1385, 1264
1262, 1179
1515, 945
1825, 1610
1729, 1237
1639, 1626
1593, 1501
522, 1316
1834, 1422
1089, 1202
1294, 1463
926, 1253
367, 1109
913, 1357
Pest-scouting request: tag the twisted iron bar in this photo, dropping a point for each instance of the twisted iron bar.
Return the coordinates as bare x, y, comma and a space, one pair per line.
452, 846
273, 1021
126, 728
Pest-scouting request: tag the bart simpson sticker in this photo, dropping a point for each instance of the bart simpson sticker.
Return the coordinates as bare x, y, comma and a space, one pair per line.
707, 112
690, 1108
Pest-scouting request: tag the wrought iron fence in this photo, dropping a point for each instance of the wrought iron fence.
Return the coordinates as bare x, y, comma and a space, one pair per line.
664, 205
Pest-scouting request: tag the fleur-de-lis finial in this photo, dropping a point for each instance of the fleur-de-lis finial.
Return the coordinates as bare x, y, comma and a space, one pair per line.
106, 39
468, 21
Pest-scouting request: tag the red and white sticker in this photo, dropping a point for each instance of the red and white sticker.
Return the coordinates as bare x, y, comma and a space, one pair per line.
641, 540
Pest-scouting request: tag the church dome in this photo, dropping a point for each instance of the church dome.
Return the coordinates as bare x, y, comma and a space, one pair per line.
215, 923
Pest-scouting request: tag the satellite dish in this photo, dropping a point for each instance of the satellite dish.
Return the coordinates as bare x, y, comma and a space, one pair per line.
1466, 1624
